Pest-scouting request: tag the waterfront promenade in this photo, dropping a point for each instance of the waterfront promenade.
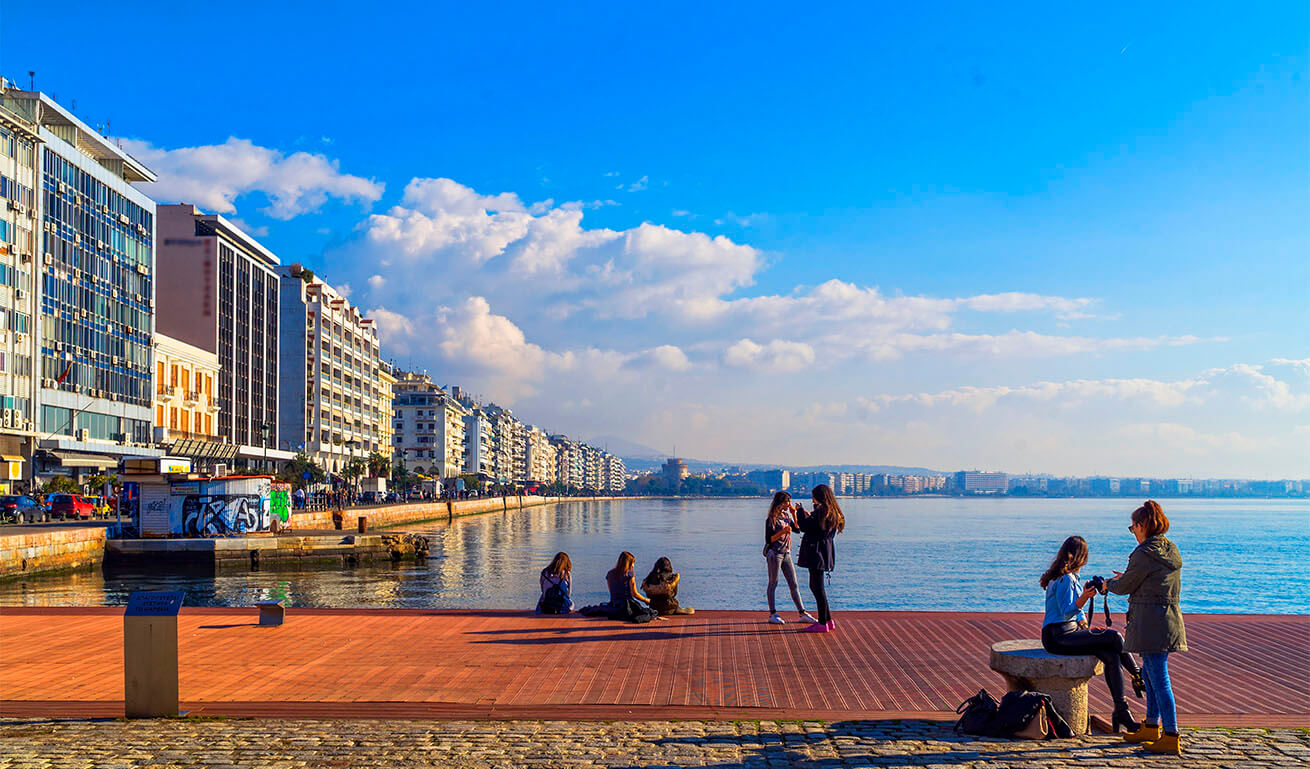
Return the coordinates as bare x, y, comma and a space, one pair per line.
718, 665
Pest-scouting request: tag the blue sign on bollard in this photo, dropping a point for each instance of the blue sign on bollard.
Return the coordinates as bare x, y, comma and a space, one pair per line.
153, 605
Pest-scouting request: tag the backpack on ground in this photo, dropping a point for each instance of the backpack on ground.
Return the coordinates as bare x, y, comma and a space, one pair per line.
553, 601
977, 714
1029, 715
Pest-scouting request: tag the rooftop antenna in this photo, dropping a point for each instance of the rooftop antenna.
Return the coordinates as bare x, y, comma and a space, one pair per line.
31, 80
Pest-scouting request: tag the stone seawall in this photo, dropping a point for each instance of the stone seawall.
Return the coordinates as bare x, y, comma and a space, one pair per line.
395, 515
42, 549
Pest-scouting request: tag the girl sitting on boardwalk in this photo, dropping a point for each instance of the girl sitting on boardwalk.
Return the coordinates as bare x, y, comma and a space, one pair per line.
556, 581
626, 601
661, 585
820, 526
1065, 628
778, 527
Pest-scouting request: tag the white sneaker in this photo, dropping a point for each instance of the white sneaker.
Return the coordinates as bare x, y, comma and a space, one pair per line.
776, 619
807, 617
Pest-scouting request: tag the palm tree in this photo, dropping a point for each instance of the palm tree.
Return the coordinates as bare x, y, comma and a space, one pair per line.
379, 465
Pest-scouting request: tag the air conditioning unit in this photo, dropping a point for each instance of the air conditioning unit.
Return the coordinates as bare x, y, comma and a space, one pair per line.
20, 338
20, 294
26, 256
8, 417
84, 435
104, 209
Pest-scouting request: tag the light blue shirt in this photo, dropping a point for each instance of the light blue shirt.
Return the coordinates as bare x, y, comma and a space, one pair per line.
1062, 600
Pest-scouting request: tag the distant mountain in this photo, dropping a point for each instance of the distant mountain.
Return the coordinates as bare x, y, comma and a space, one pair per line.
626, 449
641, 458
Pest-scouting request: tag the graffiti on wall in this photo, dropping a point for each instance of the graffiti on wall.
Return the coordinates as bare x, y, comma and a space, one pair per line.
219, 514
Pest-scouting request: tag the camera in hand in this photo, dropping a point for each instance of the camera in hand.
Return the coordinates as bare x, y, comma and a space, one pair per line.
1097, 582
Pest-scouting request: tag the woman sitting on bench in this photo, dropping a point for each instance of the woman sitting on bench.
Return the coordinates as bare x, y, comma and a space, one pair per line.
1065, 629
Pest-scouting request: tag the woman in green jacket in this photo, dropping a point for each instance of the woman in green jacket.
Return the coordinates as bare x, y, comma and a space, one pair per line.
1155, 625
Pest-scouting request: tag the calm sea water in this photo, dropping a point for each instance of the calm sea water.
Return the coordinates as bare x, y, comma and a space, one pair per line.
1241, 556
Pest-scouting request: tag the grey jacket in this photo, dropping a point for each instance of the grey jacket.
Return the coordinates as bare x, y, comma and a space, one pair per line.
1152, 583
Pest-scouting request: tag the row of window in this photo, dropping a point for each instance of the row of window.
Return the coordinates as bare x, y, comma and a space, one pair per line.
94, 192
16, 192
18, 365
57, 420
17, 147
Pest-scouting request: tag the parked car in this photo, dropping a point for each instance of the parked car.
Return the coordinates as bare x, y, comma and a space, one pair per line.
393, 496
370, 498
19, 509
71, 506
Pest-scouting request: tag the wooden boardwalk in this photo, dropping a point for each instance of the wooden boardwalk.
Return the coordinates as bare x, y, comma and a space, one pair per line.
1242, 671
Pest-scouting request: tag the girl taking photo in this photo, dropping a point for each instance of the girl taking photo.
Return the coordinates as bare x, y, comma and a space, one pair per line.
1155, 630
819, 527
1065, 629
778, 527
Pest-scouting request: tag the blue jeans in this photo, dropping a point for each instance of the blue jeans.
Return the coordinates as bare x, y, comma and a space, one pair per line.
1159, 694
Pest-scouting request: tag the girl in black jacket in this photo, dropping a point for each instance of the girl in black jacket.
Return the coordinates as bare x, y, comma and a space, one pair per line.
819, 527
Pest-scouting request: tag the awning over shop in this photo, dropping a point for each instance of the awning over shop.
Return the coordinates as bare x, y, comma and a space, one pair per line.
78, 459
11, 458
201, 449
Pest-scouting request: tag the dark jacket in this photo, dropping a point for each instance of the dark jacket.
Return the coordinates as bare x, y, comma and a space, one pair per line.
1152, 583
663, 596
817, 551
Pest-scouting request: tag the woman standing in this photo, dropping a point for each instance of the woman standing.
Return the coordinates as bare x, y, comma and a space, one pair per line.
1065, 631
1155, 630
778, 526
819, 527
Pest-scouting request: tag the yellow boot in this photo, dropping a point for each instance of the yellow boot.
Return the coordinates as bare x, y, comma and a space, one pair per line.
1168, 744
1144, 733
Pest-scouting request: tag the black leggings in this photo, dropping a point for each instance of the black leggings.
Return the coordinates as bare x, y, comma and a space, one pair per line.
820, 594
1106, 645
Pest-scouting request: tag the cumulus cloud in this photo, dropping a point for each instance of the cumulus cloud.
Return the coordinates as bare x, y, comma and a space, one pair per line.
778, 355
665, 357
214, 176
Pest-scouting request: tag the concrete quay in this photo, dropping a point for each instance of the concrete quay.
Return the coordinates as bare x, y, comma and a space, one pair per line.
259, 551
32, 548
347, 744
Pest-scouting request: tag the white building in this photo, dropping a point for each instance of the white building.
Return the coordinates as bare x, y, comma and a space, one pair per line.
334, 409
428, 426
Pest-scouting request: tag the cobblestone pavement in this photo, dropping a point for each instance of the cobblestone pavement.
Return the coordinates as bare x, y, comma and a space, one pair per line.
220, 743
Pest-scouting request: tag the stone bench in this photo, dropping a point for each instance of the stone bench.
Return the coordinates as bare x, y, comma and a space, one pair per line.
1026, 666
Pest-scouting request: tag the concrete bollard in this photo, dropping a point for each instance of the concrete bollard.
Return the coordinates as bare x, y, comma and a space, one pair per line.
150, 655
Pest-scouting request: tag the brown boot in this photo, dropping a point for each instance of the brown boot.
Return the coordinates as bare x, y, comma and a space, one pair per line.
1144, 733
1168, 745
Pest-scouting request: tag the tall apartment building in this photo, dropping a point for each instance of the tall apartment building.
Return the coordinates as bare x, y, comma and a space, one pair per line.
219, 292
479, 442
570, 466
386, 406
90, 308
186, 404
428, 425
539, 456
330, 388
19, 223
616, 474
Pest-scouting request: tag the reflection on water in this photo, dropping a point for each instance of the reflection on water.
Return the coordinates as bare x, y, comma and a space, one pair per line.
946, 554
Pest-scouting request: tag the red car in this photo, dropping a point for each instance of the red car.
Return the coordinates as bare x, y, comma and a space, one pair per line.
71, 506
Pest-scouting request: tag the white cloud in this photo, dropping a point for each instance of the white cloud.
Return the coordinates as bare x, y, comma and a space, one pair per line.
214, 176
665, 357
639, 185
376, 282
777, 356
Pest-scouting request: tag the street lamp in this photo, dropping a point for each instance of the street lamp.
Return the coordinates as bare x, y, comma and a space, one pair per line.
264, 430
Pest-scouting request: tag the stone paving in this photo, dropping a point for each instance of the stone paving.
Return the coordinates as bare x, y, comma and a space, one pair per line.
345, 744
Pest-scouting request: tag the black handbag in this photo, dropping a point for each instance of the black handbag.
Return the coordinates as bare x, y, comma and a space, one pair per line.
977, 714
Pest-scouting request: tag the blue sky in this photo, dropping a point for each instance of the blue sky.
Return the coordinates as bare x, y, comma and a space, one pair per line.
1153, 162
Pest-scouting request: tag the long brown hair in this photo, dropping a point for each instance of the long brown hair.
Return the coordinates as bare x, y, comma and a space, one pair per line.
560, 566
780, 500
832, 518
626, 562
1071, 558
1150, 516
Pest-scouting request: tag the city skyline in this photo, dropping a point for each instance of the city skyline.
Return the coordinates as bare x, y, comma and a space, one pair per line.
1057, 252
